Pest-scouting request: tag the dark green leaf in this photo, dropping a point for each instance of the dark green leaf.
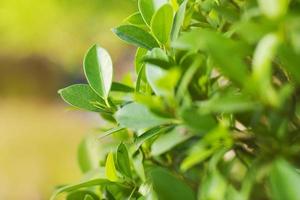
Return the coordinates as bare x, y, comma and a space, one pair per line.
123, 160
120, 87
167, 187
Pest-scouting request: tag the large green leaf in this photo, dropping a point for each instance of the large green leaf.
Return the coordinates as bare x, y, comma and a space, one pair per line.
123, 160
137, 116
167, 187
284, 181
136, 36
82, 96
98, 70
161, 23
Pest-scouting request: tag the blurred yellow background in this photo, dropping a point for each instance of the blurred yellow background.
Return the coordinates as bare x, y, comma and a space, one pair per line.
42, 44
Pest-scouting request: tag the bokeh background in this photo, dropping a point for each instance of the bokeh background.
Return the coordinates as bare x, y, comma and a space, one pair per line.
42, 44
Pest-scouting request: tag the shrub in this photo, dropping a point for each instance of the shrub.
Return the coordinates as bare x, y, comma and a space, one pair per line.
212, 113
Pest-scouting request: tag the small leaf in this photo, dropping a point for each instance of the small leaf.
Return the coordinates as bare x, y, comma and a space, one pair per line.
123, 160
111, 131
212, 183
98, 70
88, 197
110, 169
135, 19
146, 8
136, 36
178, 21
169, 140
138, 61
85, 184
284, 181
161, 23
120, 87
138, 165
210, 143
167, 187
201, 123
86, 155
82, 96
137, 116
81, 194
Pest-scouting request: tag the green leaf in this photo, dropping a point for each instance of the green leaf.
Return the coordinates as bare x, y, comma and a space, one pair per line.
154, 74
86, 155
146, 8
273, 8
135, 19
88, 197
82, 96
138, 61
151, 133
161, 23
110, 169
136, 36
120, 87
85, 184
169, 140
123, 160
111, 131
137, 161
290, 61
284, 181
167, 187
227, 103
201, 123
212, 183
210, 143
137, 116
220, 49
82, 194
178, 21
98, 70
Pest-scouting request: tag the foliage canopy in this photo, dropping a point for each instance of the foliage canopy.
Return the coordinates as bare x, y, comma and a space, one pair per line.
212, 112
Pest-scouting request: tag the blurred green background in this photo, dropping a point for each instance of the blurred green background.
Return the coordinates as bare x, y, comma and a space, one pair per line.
42, 44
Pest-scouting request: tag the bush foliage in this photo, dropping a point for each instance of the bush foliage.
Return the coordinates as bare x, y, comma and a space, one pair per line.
212, 112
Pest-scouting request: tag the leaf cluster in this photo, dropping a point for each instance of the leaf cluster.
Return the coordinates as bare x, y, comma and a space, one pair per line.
212, 112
